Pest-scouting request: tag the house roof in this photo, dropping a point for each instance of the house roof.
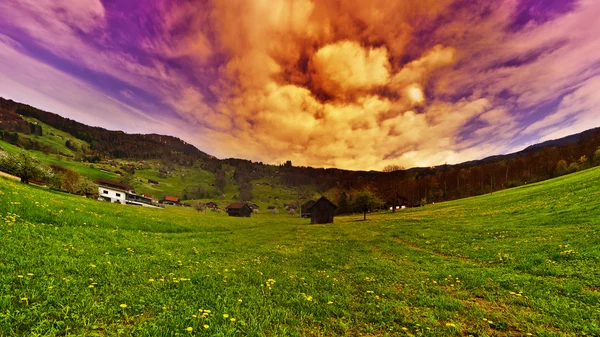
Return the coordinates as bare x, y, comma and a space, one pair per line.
236, 205
171, 198
322, 200
308, 205
148, 195
113, 184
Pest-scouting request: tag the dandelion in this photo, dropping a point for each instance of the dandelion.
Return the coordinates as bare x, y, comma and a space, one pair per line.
123, 305
240, 300
205, 326
91, 286
225, 315
20, 276
329, 302
309, 298
29, 274
151, 280
451, 325
189, 329
405, 328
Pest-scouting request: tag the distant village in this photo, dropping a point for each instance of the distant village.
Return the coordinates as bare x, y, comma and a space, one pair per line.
320, 211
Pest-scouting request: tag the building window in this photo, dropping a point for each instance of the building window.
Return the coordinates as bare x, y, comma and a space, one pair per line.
118, 194
105, 191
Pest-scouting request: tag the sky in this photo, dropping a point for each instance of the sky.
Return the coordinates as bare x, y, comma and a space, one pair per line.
330, 83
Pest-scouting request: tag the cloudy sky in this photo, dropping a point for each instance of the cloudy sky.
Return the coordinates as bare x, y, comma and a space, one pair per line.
337, 83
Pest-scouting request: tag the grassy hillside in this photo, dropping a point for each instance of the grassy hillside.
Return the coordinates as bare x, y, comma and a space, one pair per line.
519, 262
56, 139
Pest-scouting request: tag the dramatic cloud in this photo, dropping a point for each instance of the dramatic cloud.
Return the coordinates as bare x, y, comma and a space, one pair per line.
345, 83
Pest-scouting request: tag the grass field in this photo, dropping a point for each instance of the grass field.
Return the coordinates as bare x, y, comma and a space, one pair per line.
520, 262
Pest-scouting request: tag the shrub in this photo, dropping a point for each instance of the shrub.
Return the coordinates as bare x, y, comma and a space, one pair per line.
24, 166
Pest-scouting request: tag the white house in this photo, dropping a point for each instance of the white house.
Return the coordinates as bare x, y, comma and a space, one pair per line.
122, 193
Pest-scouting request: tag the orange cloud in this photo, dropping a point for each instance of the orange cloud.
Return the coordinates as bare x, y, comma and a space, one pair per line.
346, 66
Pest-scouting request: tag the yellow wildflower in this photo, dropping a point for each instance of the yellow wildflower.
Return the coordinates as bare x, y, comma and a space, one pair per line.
189, 329
123, 305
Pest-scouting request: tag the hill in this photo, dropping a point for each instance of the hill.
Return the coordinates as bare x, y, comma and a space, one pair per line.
191, 174
517, 262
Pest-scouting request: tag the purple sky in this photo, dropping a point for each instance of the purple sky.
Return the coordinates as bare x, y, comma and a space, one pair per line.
345, 83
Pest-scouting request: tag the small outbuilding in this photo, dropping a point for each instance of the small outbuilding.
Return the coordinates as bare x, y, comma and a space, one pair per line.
211, 205
321, 211
239, 209
305, 209
170, 200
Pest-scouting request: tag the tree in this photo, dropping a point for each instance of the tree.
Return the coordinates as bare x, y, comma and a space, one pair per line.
23, 166
199, 206
246, 191
393, 168
597, 157
87, 187
365, 201
220, 180
70, 182
343, 204
561, 167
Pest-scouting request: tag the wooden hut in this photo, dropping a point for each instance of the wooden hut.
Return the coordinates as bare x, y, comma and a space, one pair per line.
321, 211
305, 213
239, 209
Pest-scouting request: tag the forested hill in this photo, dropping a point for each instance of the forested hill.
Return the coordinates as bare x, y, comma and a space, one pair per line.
415, 186
106, 143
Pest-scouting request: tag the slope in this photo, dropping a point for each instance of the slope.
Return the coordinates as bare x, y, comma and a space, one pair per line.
518, 262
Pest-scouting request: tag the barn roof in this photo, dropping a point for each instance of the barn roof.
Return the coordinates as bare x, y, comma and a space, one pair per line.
322, 200
171, 198
113, 184
308, 204
236, 205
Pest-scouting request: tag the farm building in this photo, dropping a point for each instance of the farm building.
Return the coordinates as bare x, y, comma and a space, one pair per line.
170, 200
321, 211
122, 193
211, 205
239, 209
305, 208
254, 207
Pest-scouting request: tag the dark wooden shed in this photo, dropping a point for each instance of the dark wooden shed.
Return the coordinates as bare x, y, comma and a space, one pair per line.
305, 213
322, 211
239, 209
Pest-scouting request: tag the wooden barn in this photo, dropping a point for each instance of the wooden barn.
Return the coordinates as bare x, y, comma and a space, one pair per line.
212, 205
305, 213
239, 209
321, 211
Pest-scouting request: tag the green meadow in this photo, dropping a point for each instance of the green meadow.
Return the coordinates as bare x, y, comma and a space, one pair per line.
522, 262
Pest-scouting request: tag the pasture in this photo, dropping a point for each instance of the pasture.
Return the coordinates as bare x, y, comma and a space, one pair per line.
521, 262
